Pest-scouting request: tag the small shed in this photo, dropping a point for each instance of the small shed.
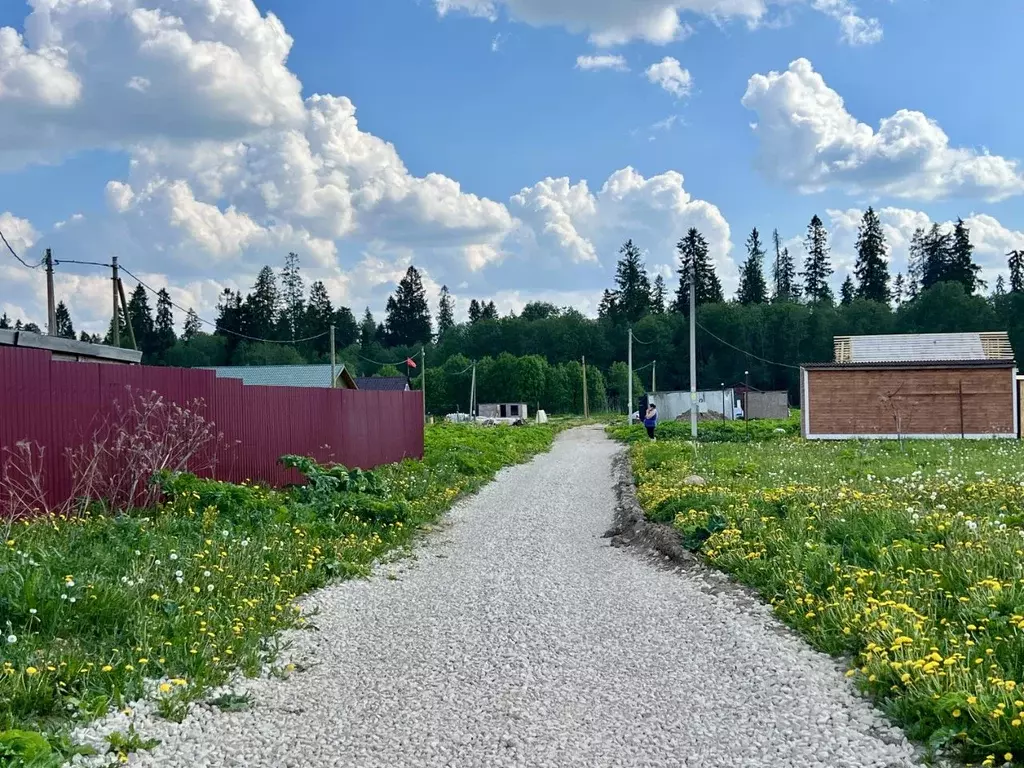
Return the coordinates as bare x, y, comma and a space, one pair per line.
913, 385
287, 375
718, 404
70, 350
502, 411
382, 383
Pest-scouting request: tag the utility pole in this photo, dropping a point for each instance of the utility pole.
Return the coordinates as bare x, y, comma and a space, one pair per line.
693, 349
654, 377
723, 401
51, 309
629, 385
746, 401
334, 375
472, 393
423, 386
116, 326
586, 405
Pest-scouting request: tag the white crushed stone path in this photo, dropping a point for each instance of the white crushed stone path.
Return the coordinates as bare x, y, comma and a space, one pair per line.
519, 637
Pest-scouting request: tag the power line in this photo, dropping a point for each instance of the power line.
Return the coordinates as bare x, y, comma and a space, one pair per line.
15, 255
745, 352
214, 325
86, 263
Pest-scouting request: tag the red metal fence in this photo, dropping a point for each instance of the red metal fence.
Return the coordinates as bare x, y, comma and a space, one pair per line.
57, 405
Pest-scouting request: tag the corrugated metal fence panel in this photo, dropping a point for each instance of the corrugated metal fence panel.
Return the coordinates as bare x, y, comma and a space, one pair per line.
60, 405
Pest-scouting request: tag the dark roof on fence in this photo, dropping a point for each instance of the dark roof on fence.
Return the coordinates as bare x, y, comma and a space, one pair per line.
382, 383
80, 350
908, 365
283, 375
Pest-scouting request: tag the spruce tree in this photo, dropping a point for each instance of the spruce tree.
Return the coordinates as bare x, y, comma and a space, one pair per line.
1000, 287
693, 255
408, 314
915, 264
192, 327
318, 317
346, 327
445, 312
898, 289
817, 267
633, 286
753, 289
609, 306
1016, 264
65, 329
293, 299
847, 292
872, 269
5, 322
367, 331
961, 267
488, 311
262, 306
784, 285
141, 317
658, 296
936, 255
163, 329
474, 312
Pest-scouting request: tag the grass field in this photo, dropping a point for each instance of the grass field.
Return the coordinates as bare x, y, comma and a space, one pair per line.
908, 561
98, 611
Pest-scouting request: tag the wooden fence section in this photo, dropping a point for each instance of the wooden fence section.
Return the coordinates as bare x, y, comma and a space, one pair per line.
59, 406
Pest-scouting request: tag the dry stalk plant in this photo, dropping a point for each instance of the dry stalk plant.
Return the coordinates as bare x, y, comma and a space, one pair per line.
144, 434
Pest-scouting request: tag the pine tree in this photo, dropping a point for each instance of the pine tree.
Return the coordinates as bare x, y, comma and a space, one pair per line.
898, 289
141, 317
937, 252
658, 296
474, 312
1000, 288
753, 289
847, 292
192, 325
872, 269
633, 286
784, 283
1016, 264
961, 267
293, 299
65, 329
817, 267
445, 312
262, 306
408, 314
163, 329
693, 256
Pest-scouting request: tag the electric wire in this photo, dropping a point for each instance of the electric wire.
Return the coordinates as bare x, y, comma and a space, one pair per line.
15, 255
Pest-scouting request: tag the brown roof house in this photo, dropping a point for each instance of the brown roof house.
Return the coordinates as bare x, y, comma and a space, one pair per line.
940, 385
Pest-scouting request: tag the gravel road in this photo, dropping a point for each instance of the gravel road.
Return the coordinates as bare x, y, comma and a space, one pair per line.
518, 637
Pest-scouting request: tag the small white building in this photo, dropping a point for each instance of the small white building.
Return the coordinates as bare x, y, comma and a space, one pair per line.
721, 403
512, 411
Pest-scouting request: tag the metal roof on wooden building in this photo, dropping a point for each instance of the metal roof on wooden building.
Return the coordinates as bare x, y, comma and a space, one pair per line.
947, 348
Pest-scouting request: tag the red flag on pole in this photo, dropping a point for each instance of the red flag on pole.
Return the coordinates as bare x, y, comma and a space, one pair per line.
410, 362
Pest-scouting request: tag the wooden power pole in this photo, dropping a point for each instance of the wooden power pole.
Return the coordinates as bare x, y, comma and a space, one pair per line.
586, 403
51, 308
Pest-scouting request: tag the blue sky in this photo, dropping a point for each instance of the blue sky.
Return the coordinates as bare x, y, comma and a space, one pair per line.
176, 135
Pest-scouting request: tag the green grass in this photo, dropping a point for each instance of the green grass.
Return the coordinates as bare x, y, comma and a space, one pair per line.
909, 562
98, 611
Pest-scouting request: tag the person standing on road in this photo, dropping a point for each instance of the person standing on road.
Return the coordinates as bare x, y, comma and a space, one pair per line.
651, 420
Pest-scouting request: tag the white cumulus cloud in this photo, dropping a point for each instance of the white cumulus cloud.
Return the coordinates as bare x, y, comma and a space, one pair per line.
807, 139
671, 76
605, 61
614, 22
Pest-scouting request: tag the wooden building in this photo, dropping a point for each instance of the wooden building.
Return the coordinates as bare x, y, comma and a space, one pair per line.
70, 350
915, 386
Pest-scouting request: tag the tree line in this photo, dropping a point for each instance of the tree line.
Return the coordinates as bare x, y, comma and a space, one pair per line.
783, 314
